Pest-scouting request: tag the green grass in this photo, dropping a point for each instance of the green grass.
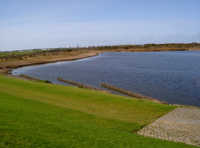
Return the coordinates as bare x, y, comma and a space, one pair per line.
39, 115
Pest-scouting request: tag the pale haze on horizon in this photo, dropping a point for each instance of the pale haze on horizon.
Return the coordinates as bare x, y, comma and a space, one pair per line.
28, 24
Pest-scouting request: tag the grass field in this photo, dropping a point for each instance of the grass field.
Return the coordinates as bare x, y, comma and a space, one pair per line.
40, 115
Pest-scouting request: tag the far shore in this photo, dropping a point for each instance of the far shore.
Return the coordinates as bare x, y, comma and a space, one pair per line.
9, 62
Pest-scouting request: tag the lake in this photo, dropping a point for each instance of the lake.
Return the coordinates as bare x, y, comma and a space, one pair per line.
173, 77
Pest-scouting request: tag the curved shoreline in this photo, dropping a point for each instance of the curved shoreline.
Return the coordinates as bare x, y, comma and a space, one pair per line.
10, 66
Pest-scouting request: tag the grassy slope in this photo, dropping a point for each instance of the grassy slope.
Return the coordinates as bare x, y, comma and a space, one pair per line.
43, 115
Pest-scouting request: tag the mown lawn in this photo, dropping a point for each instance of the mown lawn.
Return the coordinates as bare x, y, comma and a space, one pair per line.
35, 115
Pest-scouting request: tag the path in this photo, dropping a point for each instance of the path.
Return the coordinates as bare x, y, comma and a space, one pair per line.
180, 125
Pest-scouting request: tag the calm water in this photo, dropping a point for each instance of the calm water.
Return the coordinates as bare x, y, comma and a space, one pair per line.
170, 76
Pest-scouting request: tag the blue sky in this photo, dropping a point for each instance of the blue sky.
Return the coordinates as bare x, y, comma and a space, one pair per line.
27, 24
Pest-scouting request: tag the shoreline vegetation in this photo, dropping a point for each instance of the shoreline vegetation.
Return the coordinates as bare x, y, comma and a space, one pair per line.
16, 59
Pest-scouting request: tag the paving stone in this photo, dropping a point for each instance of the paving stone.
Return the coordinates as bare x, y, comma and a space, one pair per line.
180, 125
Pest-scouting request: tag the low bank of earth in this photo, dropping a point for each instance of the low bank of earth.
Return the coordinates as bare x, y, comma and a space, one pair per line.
36, 114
